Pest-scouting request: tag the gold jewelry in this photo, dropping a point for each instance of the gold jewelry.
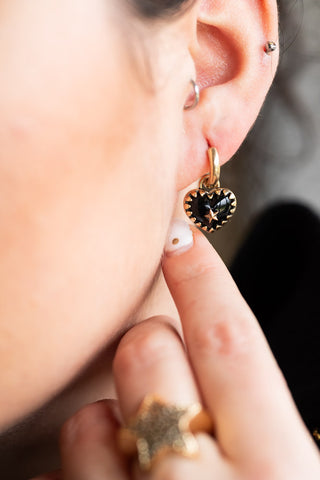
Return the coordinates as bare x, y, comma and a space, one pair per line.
209, 206
270, 47
196, 100
160, 428
316, 434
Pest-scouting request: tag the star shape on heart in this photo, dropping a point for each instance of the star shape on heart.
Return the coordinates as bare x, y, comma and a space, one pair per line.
212, 215
160, 428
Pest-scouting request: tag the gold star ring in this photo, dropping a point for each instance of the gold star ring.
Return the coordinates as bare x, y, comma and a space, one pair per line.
160, 428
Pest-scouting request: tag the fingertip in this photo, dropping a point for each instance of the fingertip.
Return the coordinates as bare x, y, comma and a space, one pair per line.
193, 262
88, 447
179, 239
183, 239
93, 422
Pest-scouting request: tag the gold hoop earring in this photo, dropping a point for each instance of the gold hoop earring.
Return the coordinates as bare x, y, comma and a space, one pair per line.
210, 207
196, 100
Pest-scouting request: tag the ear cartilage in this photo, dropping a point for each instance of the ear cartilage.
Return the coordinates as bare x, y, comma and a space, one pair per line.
270, 47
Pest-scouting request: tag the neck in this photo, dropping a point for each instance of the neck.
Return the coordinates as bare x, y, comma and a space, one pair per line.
31, 446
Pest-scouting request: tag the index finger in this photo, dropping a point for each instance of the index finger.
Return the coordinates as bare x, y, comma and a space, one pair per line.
240, 381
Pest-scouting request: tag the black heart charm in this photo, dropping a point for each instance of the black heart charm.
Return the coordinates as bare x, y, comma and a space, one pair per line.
211, 209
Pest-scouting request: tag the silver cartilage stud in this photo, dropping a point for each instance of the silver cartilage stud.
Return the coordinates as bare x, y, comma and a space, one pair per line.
270, 47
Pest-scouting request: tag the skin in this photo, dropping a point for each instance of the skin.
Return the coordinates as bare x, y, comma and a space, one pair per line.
88, 193
79, 189
258, 431
95, 148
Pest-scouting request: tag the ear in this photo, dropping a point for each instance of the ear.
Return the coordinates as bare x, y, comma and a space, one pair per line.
234, 74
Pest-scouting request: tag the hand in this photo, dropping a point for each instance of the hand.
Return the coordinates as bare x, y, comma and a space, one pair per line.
229, 367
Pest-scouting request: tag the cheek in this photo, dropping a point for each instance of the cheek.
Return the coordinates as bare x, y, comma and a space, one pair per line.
82, 182
77, 253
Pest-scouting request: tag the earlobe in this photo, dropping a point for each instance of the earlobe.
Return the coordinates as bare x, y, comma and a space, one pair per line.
234, 74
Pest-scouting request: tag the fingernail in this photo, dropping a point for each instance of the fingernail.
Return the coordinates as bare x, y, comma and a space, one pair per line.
180, 238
